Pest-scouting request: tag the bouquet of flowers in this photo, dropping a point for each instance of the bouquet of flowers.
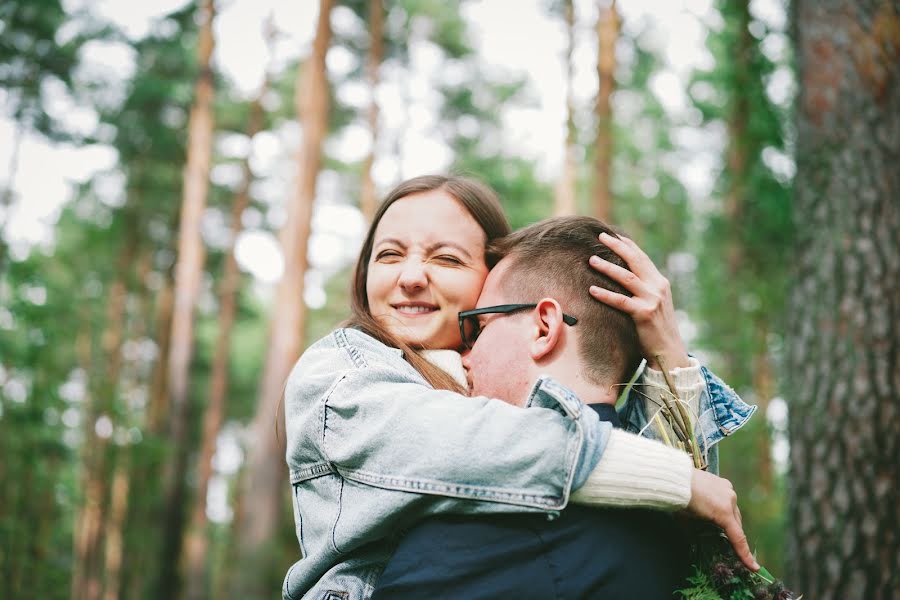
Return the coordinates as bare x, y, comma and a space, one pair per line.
717, 572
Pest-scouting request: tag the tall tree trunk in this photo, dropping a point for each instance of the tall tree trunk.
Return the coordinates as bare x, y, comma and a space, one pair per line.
565, 186
131, 465
608, 25
196, 540
374, 58
265, 472
188, 273
87, 573
159, 396
845, 328
736, 154
115, 526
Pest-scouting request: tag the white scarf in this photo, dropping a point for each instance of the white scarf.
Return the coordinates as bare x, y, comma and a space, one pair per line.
450, 362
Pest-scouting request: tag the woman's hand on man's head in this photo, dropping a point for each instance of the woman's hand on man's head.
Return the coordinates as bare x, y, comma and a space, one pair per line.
650, 305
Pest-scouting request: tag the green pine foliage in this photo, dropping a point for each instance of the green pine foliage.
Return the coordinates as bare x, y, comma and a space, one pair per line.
54, 304
742, 269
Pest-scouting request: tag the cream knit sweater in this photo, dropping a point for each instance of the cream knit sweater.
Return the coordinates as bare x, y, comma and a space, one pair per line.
633, 471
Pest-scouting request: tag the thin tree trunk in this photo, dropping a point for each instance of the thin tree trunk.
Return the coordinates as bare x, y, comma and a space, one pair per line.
367, 199
565, 186
844, 333
265, 472
87, 572
117, 511
131, 465
196, 540
736, 153
84, 354
608, 26
159, 396
188, 273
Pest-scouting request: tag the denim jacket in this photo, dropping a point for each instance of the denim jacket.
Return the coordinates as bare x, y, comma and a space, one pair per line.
721, 413
372, 449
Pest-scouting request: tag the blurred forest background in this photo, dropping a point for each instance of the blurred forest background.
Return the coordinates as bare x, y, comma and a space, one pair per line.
183, 195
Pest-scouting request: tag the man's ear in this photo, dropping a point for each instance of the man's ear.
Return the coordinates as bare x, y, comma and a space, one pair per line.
548, 321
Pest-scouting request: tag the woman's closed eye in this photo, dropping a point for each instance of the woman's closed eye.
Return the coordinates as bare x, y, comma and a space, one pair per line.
387, 255
448, 259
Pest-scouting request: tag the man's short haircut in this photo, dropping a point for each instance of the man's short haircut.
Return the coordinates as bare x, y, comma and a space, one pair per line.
550, 260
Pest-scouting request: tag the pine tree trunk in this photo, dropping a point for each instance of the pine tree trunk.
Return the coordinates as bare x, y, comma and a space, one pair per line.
188, 273
114, 529
159, 396
87, 578
565, 186
736, 153
367, 199
265, 489
845, 325
608, 26
196, 540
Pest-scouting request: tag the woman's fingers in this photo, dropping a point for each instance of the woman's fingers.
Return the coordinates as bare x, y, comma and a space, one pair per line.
627, 279
631, 253
713, 498
628, 305
738, 539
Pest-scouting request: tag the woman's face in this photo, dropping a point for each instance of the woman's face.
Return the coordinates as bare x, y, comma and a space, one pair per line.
427, 264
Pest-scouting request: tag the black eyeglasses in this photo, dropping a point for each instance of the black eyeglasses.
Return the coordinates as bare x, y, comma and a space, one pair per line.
470, 328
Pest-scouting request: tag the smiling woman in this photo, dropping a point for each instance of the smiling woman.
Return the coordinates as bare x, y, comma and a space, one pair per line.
421, 263
419, 277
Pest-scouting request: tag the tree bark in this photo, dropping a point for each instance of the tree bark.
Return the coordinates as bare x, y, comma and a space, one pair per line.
265, 473
87, 578
736, 156
367, 199
159, 396
608, 25
115, 526
196, 540
188, 273
565, 186
845, 325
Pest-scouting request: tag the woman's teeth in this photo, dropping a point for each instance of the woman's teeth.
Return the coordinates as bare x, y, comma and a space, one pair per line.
414, 310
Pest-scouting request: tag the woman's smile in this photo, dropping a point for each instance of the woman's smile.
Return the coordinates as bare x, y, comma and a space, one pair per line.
415, 309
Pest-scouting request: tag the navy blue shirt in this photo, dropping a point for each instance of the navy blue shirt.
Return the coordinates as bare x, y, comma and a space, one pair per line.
585, 553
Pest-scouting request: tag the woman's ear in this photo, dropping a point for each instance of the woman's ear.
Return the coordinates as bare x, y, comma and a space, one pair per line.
548, 321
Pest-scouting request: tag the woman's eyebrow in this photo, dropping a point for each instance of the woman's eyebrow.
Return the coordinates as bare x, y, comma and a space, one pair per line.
454, 245
389, 240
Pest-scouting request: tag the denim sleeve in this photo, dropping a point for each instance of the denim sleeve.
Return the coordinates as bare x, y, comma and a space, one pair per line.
721, 413
379, 424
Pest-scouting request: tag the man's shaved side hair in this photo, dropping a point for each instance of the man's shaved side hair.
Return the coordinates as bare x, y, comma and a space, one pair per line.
550, 260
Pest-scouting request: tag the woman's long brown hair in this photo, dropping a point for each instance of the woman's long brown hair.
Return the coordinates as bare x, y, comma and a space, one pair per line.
481, 202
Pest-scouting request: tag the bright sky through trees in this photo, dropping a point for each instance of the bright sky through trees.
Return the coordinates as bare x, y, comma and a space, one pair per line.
45, 172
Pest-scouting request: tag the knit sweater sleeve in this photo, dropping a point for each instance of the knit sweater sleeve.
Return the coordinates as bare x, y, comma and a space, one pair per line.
636, 472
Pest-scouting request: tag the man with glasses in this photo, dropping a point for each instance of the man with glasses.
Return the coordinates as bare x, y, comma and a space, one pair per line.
535, 319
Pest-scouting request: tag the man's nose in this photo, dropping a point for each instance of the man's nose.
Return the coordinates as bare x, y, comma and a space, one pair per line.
413, 276
466, 358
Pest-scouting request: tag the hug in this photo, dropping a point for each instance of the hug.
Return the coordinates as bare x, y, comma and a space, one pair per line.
458, 437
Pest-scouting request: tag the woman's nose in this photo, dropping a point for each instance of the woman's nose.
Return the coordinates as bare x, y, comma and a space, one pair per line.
413, 276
